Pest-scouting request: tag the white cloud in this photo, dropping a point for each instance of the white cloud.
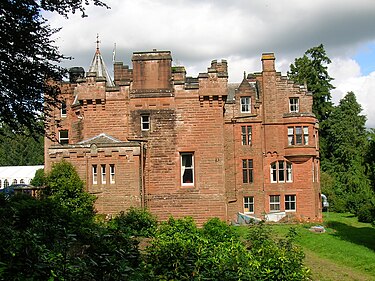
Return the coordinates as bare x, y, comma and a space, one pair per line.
198, 31
348, 78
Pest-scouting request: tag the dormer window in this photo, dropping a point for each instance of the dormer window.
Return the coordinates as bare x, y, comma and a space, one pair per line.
293, 105
245, 104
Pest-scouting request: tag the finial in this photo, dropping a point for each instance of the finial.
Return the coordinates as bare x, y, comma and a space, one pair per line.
97, 42
244, 75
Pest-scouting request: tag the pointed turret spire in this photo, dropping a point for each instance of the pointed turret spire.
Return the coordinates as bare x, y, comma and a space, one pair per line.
98, 66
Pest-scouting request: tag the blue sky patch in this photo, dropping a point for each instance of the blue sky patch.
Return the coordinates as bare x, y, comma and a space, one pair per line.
366, 58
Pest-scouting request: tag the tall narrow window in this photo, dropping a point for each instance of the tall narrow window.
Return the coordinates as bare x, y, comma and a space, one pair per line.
294, 105
298, 135
63, 109
305, 135
281, 171
6, 183
248, 204
145, 122
247, 170
289, 177
112, 173
64, 137
246, 132
274, 203
245, 104
104, 176
14, 181
290, 202
94, 174
187, 169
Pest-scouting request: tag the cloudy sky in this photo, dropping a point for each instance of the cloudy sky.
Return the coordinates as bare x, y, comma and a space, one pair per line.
198, 31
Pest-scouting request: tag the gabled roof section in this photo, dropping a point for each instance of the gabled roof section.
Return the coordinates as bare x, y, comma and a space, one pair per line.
100, 139
98, 66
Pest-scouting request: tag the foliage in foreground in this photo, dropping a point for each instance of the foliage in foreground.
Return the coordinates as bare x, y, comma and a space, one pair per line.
47, 242
181, 251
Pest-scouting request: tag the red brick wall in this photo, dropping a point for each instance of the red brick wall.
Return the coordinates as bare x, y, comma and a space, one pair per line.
189, 116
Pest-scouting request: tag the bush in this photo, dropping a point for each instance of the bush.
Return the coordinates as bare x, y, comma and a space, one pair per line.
276, 259
181, 251
64, 186
218, 231
44, 241
137, 222
367, 213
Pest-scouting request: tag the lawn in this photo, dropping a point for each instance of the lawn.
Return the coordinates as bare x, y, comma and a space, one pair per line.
346, 251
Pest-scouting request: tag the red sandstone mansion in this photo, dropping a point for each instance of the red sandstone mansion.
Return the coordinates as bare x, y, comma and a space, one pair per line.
183, 146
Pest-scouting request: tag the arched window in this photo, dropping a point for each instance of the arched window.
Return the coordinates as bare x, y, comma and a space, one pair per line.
0, 184
281, 171
14, 181
22, 181
6, 183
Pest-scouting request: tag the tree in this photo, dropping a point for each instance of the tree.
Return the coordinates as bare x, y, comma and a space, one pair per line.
29, 59
347, 147
311, 69
21, 149
64, 186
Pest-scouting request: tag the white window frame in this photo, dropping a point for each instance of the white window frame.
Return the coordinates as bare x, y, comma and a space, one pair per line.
290, 201
112, 174
62, 139
245, 104
274, 203
293, 105
286, 170
63, 110
248, 204
298, 135
103, 173
187, 179
246, 135
145, 122
94, 174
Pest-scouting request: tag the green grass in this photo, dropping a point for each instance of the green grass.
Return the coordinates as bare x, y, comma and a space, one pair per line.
346, 251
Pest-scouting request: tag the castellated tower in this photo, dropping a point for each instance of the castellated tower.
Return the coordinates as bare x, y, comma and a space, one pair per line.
189, 146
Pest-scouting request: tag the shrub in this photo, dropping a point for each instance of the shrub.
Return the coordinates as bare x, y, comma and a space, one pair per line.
218, 231
64, 186
367, 213
137, 222
276, 259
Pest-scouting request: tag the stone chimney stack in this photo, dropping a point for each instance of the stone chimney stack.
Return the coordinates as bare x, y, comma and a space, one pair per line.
268, 62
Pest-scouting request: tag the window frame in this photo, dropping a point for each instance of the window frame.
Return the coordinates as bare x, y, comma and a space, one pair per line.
103, 173
289, 201
248, 204
112, 174
298, 135
63, 109
245, 104
190, 179
94, 171
145, 124
275, 171
247, 171
64, 140
274, 203
293, 105
246, 135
